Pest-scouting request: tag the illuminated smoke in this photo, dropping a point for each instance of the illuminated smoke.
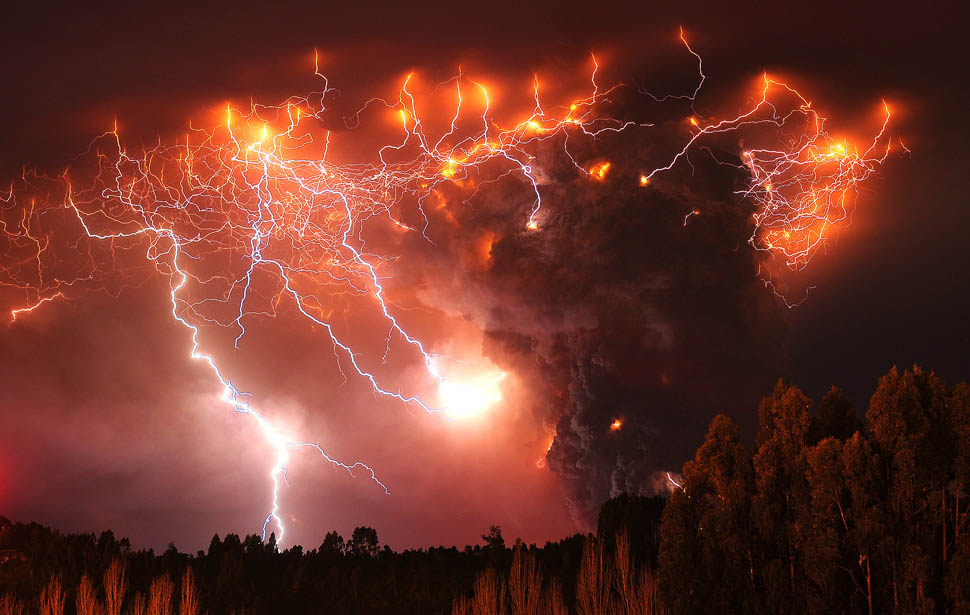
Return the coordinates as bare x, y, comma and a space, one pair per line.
613, 275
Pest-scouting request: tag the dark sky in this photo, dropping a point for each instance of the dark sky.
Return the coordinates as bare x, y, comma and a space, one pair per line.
105, 423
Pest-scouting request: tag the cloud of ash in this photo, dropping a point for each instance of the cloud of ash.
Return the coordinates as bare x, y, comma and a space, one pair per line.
615, 309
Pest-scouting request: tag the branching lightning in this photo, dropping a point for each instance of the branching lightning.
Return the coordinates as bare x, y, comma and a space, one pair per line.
252, 214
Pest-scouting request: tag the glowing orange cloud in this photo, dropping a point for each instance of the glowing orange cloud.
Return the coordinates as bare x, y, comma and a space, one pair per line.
254, 213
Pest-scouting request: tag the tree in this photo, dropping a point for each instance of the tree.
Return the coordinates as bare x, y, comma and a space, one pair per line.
639, 517
87, 598
707, 553
364, 542
781, 491
908, 422
10, 605
115, 584
215, 546
525, 583
637, 591
160, 596
138, 605
594, 587
957, 582
553, 599
493, 539
489, 596
685, 587
957, 579
822, 526
333, 543
52, 597
834, 418
189, 603
867, 540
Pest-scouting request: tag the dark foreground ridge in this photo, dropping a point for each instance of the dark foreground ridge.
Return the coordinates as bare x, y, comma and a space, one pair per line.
824, 513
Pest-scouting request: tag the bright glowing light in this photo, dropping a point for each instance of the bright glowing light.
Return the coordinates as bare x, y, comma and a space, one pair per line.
541, 462
674, 482
26, 310
599, 171
616, 425
469, 398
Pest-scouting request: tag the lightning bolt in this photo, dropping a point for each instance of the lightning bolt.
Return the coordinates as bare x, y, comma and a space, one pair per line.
251, 213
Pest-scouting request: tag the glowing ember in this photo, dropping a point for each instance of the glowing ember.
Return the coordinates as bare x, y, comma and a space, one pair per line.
599, 171
541, 462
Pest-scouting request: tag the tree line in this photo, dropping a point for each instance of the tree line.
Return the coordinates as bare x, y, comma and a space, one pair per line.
823, 512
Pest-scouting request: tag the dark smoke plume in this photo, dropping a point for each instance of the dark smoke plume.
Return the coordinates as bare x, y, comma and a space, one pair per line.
615, 309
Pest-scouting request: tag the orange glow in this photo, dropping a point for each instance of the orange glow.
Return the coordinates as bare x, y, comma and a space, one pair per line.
599, 171
485, 248
190, 213
541, 462
803, 192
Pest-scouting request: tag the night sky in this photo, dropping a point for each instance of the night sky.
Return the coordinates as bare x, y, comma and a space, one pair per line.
106, 423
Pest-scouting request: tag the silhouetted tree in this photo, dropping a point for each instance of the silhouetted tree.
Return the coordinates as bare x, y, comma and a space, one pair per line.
364, 542
333, 543
493, 539
637, 515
